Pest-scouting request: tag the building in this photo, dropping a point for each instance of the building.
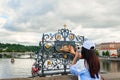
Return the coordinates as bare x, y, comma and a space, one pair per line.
112, 47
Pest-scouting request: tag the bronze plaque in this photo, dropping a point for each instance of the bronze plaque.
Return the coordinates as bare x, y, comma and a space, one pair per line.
63, 44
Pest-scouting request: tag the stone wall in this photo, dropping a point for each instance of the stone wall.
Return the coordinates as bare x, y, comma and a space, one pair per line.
108, 76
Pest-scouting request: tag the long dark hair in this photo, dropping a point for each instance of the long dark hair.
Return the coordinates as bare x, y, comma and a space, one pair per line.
92, 61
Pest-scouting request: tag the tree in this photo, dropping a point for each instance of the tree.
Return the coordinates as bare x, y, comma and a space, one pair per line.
17, 48
107, 53
0, 55
103, 53
97, 53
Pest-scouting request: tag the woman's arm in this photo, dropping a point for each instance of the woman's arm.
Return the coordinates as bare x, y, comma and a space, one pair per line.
74, 59
72, 51
77, 55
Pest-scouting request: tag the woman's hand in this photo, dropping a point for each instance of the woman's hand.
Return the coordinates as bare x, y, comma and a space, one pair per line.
71, 49
76, 55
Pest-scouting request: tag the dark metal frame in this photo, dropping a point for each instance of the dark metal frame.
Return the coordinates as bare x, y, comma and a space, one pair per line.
50, 60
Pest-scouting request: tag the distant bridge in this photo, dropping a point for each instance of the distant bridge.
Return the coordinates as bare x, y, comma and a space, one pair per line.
18, 54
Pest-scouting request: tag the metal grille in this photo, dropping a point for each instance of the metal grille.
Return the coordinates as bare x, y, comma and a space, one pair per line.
49, 59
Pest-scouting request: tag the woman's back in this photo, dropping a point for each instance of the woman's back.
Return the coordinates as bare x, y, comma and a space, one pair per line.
81, 71
91, 62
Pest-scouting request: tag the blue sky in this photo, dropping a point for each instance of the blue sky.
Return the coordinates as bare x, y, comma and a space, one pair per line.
24, 21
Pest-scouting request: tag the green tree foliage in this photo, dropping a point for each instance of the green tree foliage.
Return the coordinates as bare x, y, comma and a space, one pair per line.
103, 53
0, 55
97, 53
17, 48
107, 53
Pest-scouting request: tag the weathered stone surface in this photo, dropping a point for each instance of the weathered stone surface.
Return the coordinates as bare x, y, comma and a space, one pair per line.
63, 77
111, 76
108, 76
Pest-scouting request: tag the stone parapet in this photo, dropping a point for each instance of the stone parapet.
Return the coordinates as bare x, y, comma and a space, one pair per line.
108, 76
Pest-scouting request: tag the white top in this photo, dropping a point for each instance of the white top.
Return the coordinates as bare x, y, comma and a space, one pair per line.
81, 71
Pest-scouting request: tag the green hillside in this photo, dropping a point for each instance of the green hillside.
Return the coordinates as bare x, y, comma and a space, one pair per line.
17, 48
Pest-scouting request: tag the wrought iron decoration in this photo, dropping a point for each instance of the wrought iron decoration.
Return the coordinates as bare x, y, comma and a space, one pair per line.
50, 59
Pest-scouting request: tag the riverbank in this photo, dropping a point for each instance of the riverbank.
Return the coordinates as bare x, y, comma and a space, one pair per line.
111, 76
110, 58
108, 76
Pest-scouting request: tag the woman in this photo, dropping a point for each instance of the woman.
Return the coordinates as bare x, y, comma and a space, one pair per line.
88, 67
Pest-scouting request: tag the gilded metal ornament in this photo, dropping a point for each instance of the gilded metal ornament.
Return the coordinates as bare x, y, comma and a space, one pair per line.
53, 56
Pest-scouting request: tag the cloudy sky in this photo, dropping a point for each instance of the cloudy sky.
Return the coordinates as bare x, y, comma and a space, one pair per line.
24, 21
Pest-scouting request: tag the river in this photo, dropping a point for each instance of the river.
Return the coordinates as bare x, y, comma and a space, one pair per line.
22, 67
110, 66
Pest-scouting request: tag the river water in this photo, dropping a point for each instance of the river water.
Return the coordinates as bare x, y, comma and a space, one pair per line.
110, 66
22, 67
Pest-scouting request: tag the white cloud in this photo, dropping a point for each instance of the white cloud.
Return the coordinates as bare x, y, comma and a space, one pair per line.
2, 22
27, 19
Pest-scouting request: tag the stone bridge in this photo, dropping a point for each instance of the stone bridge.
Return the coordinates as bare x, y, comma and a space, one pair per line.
17, 54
